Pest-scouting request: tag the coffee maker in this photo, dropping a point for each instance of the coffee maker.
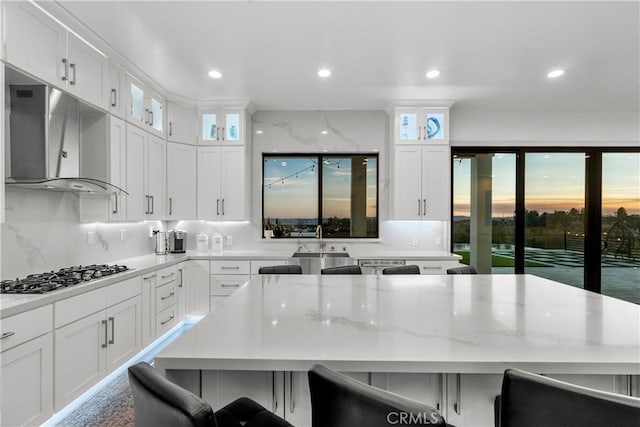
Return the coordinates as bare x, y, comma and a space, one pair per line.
177, 241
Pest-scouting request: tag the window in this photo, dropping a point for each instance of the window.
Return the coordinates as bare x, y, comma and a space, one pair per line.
337, 191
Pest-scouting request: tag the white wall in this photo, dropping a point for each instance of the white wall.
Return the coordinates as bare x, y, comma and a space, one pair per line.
545, 128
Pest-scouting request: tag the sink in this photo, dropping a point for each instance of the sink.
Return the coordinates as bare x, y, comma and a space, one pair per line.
313, 262
321, 255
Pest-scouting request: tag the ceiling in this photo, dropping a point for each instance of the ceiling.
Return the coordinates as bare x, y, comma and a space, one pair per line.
493, 56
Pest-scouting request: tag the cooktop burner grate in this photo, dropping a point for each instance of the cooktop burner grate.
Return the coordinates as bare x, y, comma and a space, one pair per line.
65, 277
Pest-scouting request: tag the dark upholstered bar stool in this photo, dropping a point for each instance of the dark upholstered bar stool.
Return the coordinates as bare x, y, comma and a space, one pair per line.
530, 400
340, 401
158, 402
402, 269
343, 269
280, 269
467, 269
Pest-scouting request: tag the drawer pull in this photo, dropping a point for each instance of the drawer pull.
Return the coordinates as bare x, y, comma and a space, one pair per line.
168, 296
431, 268
168, 275
224, 267
7, 335
151, 276
224, 285
167, 321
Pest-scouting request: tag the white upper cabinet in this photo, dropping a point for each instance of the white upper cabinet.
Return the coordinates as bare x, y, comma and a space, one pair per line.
181, 123
221, 183
145, 175
223, 126
42, 47
421, 126
117, 90
421, 189
181, 181
145, 109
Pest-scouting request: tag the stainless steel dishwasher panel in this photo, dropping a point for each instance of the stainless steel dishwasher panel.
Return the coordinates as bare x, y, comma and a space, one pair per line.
375, 266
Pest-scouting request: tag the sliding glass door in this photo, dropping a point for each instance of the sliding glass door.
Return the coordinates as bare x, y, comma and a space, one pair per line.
554, 216
571, 215
620, 240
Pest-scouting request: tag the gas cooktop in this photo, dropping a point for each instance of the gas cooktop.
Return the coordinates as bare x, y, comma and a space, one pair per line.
65, 277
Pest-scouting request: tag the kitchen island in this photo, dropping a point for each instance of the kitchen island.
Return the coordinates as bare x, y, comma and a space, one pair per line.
442, 339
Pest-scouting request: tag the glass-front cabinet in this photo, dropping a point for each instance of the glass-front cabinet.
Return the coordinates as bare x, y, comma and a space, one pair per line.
222, 126
145, 108
422, 125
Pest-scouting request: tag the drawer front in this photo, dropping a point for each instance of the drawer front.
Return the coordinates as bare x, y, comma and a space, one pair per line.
434, 267
166, 295
26, 326
72, 309
227, 284
123, 290
166, 320
166, 275
230, 267
256, 264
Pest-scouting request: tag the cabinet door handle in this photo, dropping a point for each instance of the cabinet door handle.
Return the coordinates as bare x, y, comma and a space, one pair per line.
152, 205
170, 205
170, 128
223, 133
106, 338
7, 335
168, 275
292, 405
146, 116
113, 330
73, 68
440, 387
65, 62
114, 97
180, 278
274, 395
167, 321
217, 206
222, 206
424, 206
425, 133
419, 133
418, 207
168, 296
456, 404
151, 118
147, 211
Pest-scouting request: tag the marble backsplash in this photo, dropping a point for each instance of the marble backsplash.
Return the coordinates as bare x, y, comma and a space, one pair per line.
42, 232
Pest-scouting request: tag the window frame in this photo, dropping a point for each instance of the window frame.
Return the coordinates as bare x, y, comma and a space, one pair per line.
319, 157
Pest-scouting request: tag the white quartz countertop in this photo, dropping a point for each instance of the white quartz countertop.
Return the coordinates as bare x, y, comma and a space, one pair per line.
456, 323
11, 304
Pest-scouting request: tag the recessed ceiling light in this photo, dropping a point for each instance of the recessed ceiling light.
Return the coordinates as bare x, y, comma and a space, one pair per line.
259, 132
432, 74
215, 74
324, 72
324, 132
555, 73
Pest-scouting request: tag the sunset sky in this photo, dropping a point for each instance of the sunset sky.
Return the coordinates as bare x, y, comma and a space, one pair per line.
553, 181
297, 196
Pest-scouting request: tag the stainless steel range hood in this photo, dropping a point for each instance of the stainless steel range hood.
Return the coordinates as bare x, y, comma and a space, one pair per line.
45, 142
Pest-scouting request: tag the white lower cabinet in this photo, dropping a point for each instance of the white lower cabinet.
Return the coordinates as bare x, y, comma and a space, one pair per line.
124, 323
148, 308
426, 388
227, 276
198, 288
220, 388
435, 267
27, 382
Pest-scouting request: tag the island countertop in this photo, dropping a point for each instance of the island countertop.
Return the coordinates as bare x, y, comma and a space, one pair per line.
455, 323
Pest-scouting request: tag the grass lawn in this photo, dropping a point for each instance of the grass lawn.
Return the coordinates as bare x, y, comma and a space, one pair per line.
500, 261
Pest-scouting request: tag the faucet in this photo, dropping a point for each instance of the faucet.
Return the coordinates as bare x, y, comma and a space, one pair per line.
319, 236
